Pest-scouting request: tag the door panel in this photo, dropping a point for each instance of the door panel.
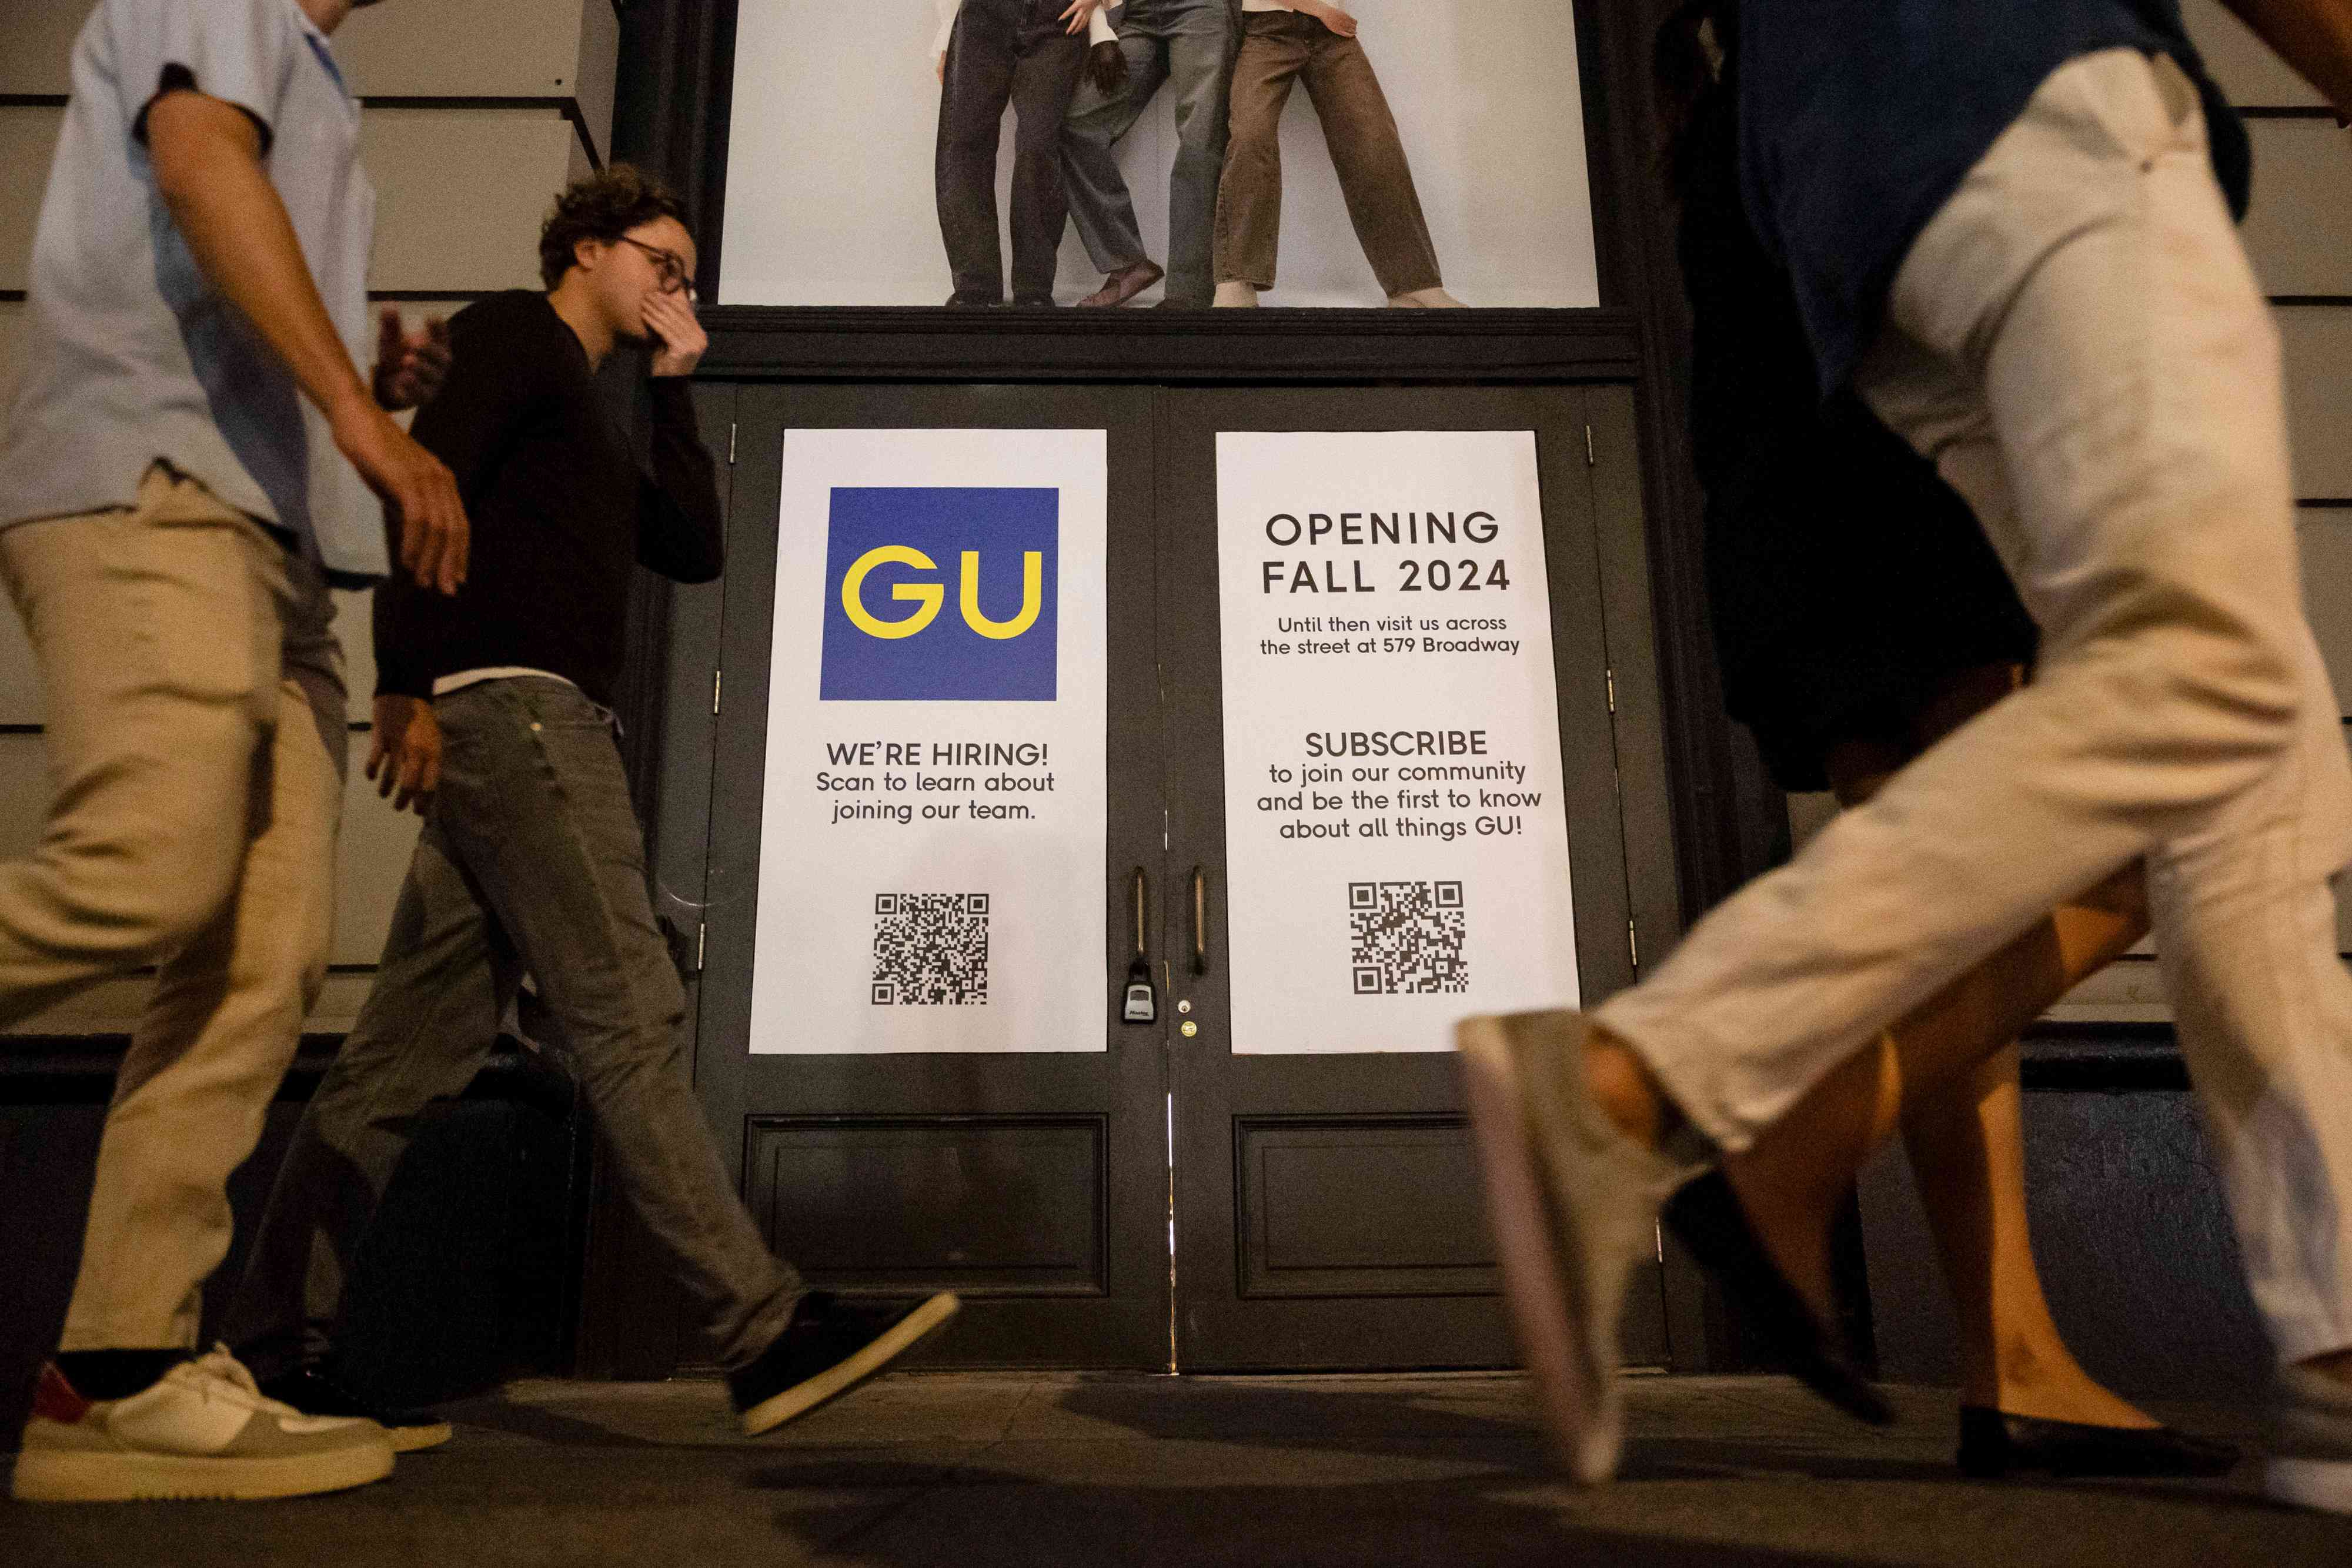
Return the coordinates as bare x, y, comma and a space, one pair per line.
1033, 1185
1328, 1211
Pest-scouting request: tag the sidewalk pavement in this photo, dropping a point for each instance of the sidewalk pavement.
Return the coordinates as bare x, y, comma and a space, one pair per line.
929, 1470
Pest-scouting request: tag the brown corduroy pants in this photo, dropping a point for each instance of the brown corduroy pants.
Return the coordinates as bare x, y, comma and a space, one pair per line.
1283, 48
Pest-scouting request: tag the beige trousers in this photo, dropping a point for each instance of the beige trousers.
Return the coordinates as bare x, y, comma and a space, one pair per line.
2078, 342
195, 738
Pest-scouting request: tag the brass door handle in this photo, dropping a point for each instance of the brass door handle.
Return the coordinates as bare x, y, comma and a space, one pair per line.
1142, 898
1199, 921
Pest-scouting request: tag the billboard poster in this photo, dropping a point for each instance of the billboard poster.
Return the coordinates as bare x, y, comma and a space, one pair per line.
934, 808
1396, 840
1193, 153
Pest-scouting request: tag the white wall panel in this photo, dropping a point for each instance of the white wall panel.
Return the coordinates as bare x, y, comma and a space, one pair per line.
2248, 71
2327, 539
409, 48
600, 69
371, 860
11, 326
29, 139
464, 48
24, 794
20, 679
2299, 231
2318, 339
462, 194
40, 34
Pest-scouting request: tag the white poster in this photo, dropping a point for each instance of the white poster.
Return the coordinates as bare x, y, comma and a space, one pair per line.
1395, 837
832, 149
932, 848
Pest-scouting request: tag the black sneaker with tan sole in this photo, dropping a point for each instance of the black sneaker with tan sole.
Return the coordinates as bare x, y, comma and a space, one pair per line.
830, 1347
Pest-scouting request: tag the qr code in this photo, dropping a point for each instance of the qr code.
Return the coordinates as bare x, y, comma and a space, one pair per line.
1407, 937
930, 950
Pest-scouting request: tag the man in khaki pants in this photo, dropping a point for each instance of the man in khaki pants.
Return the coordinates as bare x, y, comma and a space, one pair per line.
2023, 257
172, 516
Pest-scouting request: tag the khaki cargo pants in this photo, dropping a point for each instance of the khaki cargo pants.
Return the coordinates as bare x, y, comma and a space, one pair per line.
195, 738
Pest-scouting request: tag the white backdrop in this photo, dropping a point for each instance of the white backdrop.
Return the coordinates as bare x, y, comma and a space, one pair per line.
829, 188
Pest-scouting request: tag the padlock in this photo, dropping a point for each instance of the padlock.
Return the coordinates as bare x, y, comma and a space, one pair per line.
1141, 1006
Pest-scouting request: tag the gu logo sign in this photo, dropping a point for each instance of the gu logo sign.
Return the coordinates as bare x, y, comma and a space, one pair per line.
943, 595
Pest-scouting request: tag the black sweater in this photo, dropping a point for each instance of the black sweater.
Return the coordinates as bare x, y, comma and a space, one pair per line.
558, 507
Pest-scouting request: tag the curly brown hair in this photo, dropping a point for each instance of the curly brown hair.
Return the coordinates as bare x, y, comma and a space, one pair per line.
604, 206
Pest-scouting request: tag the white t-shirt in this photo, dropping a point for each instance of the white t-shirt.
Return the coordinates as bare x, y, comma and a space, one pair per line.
1098, 30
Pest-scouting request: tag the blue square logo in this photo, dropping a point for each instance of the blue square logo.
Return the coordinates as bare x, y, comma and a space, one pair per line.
942, 595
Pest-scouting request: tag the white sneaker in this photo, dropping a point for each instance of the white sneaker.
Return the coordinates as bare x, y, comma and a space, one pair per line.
204, 1430
2311, 1442
1574, 1204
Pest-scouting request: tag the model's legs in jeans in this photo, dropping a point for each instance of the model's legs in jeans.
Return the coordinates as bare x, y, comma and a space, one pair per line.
1101, 203
430, 1022
195, 789
1045, 80
1273, 51
1201, 47
981, 55
1368, 155
536, 808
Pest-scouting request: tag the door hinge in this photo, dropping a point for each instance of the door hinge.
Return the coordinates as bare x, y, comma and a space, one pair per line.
701, 943
730, 445
1591, 460
717, 678
1633, 945
1611, 675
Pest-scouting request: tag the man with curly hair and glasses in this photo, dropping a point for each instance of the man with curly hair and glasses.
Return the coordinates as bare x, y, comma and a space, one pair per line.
492, 720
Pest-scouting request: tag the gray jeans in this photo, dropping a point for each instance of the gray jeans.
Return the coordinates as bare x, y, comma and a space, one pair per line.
1188, 44
530, 860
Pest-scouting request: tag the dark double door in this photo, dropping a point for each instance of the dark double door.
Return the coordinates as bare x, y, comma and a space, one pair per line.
1160, 1201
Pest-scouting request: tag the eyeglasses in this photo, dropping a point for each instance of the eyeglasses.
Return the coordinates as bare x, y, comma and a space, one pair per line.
670, 265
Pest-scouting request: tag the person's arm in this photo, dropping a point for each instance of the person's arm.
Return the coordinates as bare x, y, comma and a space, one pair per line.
410, 366
2314, 37
206, 157
681, 531
947, 10
404, 738
1330, 15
